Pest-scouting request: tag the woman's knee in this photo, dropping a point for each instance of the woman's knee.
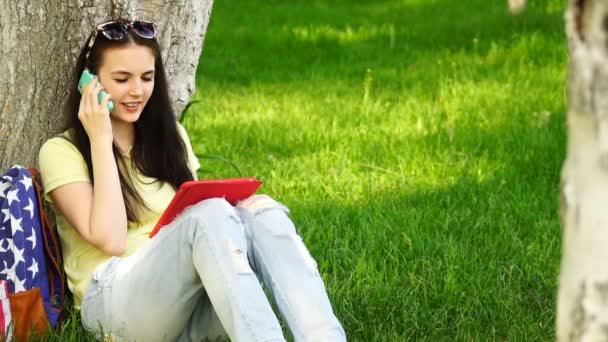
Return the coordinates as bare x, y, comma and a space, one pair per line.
257, 204
213, 207
213, 214
261, 212
215, 220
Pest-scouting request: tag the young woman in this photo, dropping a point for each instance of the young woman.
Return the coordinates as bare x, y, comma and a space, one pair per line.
110, 175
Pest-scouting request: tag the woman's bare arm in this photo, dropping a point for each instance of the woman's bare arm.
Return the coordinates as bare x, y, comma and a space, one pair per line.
96, 211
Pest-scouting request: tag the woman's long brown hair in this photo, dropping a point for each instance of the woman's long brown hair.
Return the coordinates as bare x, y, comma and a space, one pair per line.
158, 152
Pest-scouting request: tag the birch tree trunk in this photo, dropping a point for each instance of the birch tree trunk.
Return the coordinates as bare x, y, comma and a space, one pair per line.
40, 41
582, 309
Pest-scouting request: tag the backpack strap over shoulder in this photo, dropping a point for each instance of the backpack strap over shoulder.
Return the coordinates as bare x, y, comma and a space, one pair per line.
52, 249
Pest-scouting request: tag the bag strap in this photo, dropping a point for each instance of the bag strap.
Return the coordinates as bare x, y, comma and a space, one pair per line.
49, 233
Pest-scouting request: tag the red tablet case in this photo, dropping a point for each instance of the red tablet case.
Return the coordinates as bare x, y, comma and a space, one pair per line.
189, 193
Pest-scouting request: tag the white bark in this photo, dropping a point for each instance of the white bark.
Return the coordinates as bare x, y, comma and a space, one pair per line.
517, 6
582, 310
40, 41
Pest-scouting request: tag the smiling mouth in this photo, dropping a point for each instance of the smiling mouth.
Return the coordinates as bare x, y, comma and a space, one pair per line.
132, 107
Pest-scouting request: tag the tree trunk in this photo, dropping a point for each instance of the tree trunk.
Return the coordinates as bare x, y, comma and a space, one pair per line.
582, 310
40, 41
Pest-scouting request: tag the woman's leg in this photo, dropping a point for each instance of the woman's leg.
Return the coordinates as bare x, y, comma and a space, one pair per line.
151, 295
282, 261
203, 323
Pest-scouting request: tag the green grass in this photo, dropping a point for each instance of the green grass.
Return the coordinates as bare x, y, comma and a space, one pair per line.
418, 144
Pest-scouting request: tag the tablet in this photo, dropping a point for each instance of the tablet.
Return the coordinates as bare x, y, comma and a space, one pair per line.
192, 192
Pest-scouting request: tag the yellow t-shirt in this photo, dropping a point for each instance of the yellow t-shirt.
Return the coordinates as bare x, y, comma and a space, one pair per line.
61, 163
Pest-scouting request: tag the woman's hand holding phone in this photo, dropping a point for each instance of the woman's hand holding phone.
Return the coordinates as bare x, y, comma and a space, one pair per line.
95, 116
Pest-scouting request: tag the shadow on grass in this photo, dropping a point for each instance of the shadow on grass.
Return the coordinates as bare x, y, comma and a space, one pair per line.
475, 258
470, 260
280, 41
478, 258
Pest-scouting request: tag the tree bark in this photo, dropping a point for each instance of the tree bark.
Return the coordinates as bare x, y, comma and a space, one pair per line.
40, 41
582, 309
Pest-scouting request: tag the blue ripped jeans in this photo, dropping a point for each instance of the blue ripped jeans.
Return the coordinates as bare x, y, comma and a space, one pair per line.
199, 278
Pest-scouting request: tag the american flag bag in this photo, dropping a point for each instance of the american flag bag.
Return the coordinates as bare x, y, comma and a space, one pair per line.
30, 259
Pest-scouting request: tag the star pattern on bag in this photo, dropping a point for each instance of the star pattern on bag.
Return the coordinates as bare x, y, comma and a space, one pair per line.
26, 241
18, 215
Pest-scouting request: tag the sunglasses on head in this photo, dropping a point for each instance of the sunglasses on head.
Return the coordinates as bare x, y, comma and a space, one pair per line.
118, 30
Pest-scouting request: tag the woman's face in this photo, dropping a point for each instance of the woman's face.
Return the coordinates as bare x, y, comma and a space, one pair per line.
127, 74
